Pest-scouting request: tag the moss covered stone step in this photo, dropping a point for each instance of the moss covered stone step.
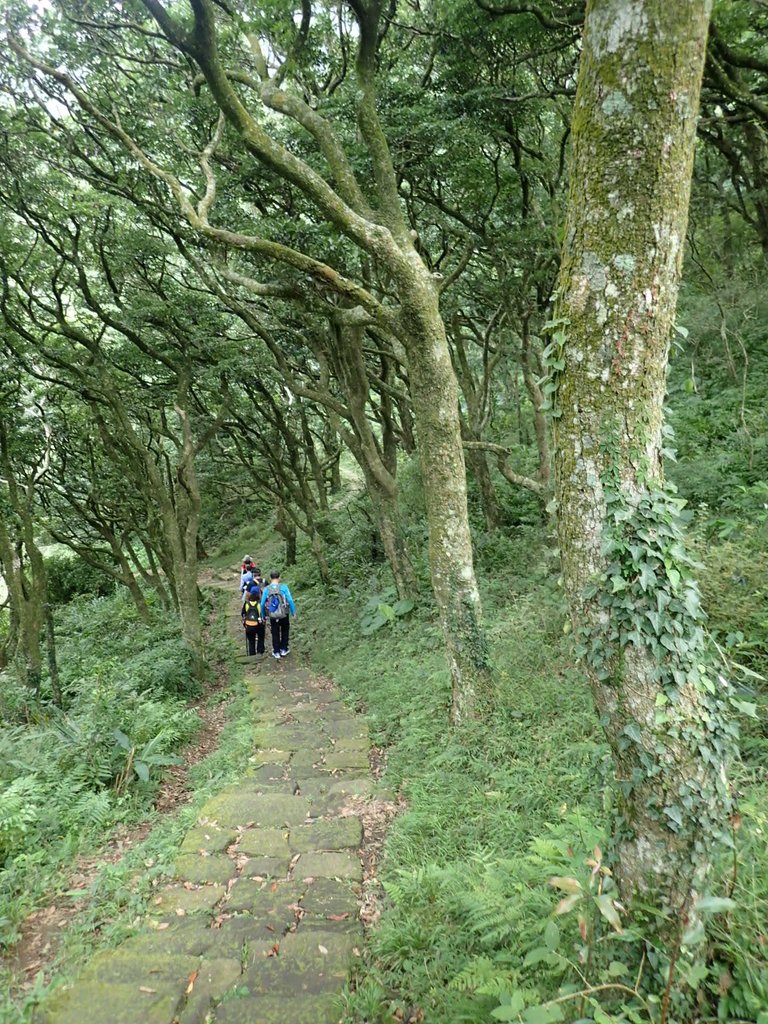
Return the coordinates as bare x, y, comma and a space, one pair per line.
176, 900
273, 907
336, 834
191, 867
214, 978
331, 897
238, 806
187, 936
116, 1003
264, 842
329, 865
325, 1009
208, 838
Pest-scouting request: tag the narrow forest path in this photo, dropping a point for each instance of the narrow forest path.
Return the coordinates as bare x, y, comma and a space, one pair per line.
262, 920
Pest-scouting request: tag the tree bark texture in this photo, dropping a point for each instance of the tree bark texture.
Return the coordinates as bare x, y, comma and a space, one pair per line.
435, 400
633, 602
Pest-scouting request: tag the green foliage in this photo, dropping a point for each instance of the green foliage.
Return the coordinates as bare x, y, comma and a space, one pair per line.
68, 777
69, 576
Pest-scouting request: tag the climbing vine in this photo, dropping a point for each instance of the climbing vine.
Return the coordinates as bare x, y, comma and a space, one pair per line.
553, 358
647, 615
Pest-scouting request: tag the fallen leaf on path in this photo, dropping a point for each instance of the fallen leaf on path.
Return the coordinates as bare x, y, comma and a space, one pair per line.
149, 991
163, 925
323, 950
339, 917
191, 982
181, 912
274, 950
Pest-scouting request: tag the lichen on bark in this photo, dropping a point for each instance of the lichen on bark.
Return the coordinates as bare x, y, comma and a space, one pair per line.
633, 134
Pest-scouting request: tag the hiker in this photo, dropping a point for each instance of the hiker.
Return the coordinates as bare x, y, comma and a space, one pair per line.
253, 621
276, 601
246, 570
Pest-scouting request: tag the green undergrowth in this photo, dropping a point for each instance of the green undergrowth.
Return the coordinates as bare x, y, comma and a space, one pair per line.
491, 809
495, 810
69, 788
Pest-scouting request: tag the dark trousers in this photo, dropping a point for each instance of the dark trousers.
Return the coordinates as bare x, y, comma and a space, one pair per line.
255, 638
280, 629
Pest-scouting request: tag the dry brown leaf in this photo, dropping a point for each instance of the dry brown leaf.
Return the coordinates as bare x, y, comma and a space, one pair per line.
181, 912
338, 917
149, 991
323, 950
163, 925
191, 982
274, 950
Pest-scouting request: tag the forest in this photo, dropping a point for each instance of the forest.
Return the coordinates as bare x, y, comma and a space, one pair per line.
452, 313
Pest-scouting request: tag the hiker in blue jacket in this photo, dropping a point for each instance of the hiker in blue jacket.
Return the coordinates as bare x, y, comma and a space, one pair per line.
276, 601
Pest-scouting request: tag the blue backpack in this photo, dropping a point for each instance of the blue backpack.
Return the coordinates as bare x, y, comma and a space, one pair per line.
277, 603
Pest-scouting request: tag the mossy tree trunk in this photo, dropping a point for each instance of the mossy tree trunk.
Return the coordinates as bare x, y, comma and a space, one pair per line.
633, 602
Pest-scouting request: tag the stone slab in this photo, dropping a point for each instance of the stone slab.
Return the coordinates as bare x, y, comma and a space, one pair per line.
352, 787
192, 867
188, 936
266, 867
113, 966
271, 756
237, 938
336, 834
269, 1010
271, 902
309, 757
329, 865
211, 839
266, 773
264, 842
346, 759
214, 978
345, 728
191, 901
269, 810
115, 1004
295, 975
327, 896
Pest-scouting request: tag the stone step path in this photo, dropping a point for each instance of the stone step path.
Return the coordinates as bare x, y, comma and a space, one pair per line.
261, 923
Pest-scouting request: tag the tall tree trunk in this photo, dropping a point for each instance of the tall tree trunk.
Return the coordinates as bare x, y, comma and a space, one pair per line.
53, 668
393, 542
633, 602
434, 395
287, 530
478, 464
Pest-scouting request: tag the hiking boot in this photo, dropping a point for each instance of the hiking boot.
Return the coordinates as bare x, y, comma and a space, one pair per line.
285, 652
276, 655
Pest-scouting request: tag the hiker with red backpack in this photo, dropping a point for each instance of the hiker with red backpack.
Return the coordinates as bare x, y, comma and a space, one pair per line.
276, 602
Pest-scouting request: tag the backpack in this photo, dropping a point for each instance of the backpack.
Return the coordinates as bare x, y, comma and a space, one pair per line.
277, 603
251, 612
